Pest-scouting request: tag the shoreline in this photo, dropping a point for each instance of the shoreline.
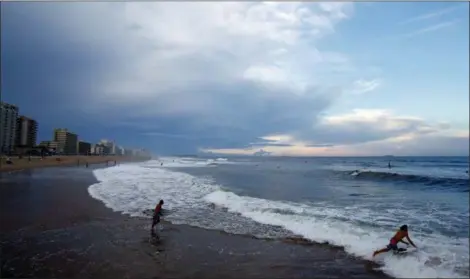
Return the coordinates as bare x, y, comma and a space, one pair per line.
64, 232
63, 161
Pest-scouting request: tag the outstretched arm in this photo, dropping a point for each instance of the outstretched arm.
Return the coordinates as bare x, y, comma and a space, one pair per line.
411, 242
404, 242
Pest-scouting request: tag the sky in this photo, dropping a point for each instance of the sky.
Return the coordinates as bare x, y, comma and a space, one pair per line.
293, 79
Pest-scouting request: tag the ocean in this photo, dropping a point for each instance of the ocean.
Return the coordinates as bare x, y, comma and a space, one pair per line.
354, 203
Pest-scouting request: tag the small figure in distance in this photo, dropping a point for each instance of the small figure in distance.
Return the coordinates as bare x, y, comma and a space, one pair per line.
156, 214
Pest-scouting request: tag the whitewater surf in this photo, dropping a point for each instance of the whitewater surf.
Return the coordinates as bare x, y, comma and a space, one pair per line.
360, 223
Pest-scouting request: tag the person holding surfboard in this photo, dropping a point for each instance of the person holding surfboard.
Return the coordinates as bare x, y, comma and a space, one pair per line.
157, 213
398, 237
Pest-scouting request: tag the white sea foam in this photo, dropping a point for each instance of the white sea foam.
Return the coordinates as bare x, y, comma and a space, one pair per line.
328, 225
360, 230
132, 188
187, 162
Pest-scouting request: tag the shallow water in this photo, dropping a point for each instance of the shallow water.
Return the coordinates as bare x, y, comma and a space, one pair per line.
356, 203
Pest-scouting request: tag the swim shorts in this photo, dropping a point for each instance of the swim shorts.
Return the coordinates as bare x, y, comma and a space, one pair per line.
156, 219
392, 246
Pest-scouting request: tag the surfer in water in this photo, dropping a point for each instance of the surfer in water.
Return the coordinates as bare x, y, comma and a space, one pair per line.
156, 214
389, 165
398, 237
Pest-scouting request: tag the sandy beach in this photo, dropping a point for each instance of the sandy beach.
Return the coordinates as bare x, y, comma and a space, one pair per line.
51, 227
56, 161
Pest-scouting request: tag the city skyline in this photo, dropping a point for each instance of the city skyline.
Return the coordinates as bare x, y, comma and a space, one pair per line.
19, 134
293, 79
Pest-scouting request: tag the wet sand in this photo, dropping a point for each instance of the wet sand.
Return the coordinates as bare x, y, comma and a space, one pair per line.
51, 227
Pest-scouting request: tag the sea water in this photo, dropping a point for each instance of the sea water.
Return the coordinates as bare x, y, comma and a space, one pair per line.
356, 203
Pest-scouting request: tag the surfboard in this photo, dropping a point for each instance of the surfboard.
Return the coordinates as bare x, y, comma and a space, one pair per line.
403, 252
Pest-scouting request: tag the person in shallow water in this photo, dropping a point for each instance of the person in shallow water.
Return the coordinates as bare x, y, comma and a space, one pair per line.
398, 237
157, 213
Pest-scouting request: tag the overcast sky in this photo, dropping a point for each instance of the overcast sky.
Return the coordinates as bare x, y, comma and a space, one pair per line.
295, 79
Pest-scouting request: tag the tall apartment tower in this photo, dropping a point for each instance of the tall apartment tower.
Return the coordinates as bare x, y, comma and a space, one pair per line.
67, 142
26, 132
8, 116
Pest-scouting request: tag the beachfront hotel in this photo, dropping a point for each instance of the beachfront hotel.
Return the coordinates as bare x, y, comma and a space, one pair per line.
26, 132
84, 148
8, 120
66, 141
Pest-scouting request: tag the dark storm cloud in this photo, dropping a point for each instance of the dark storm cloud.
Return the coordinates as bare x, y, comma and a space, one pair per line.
67, 75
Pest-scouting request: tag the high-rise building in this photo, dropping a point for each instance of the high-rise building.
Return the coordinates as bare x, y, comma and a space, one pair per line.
8, 116
84, 148
26, 132
99, 149
110, 146
67, 141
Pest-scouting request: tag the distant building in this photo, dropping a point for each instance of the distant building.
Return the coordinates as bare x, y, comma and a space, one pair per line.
110, 146
84, 148
93, 150
106, 150
119, 151
26, 132
67, 141
52, 146
8, 116
99, 149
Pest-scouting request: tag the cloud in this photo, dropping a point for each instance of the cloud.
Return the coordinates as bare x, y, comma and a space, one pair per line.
434, 14
274, 140
420, 145
188, 76
363, 86
200, 74
365, 125
367, 132
319, 145
432, 28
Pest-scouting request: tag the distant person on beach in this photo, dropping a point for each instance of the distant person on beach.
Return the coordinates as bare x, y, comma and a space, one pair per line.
157, 213
398, 237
